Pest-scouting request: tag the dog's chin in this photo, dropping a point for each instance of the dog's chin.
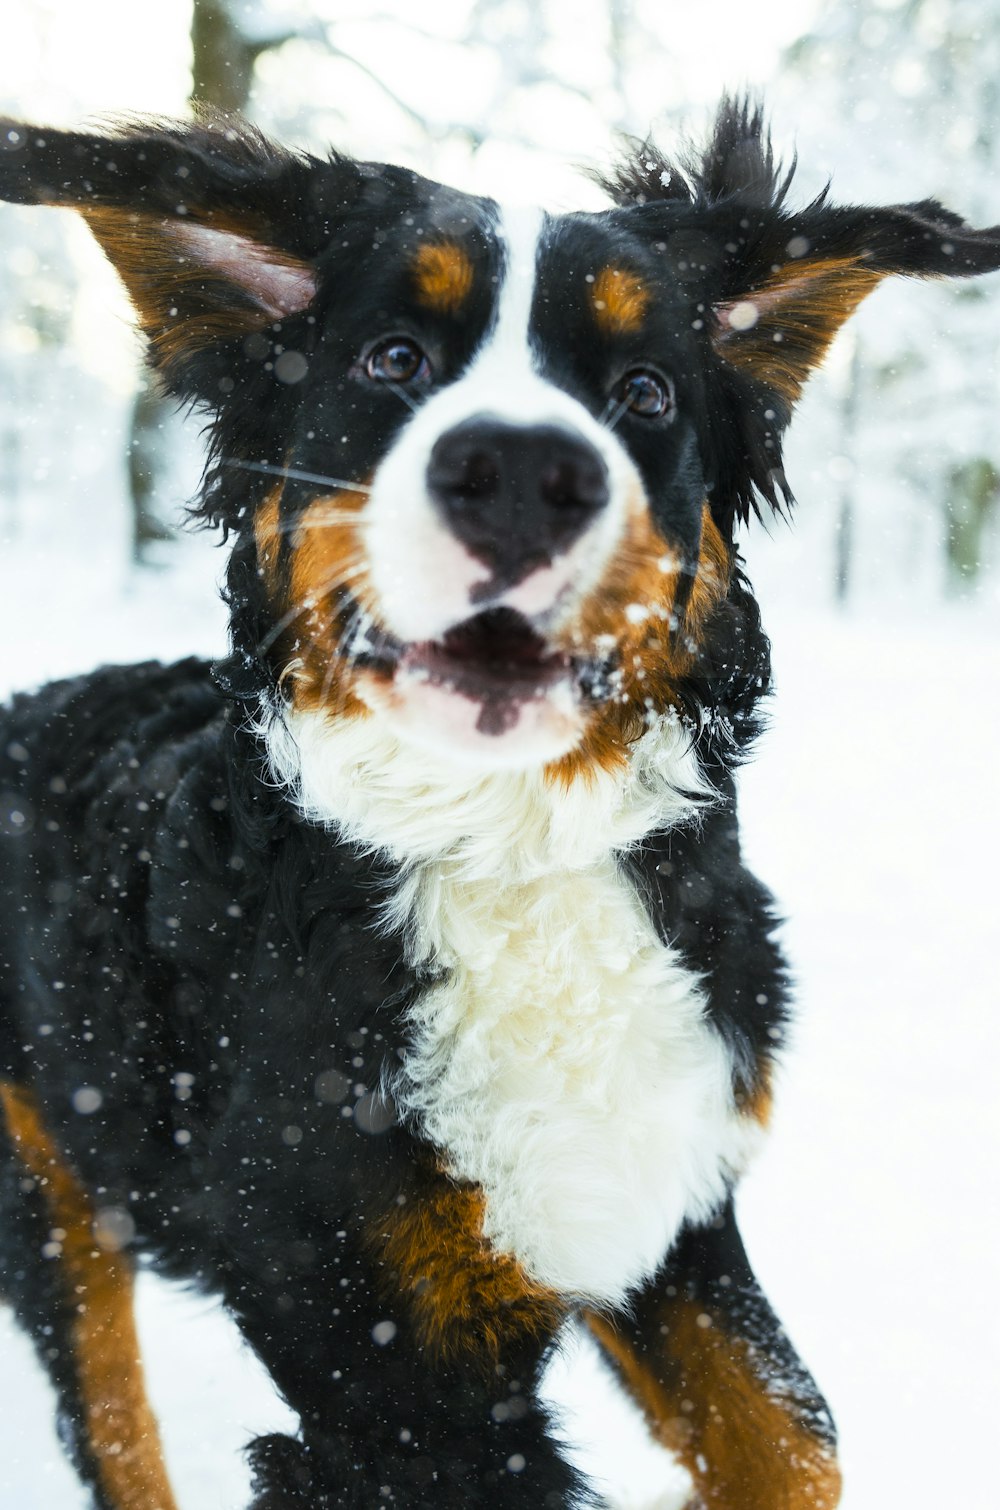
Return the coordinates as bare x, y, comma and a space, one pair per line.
492, 692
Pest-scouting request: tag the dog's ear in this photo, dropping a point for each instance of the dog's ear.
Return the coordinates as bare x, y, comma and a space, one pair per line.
781, 283
212, 228
772, 286
790, 281
794, 279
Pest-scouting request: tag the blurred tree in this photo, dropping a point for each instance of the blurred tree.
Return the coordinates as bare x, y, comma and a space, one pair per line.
972, 499
227, 38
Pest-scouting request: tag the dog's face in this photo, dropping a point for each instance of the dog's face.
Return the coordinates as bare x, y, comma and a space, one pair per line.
518, 399
484, 465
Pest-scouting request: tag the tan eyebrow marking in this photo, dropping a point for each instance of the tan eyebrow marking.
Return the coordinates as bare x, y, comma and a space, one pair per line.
443, 273
619, 301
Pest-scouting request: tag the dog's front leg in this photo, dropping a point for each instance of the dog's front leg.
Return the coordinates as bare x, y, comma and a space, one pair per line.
705, 1357
409, 1349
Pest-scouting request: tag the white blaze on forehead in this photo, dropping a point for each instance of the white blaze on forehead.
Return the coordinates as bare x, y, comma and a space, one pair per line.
422, 575
509, 342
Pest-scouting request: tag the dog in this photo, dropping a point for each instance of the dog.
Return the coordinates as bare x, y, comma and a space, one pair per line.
397, 979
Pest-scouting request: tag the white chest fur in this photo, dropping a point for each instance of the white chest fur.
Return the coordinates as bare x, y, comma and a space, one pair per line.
563, 1062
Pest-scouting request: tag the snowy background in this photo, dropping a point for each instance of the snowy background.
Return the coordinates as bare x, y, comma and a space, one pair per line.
872, 807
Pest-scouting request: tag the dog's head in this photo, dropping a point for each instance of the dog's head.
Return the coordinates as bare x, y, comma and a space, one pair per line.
484, 466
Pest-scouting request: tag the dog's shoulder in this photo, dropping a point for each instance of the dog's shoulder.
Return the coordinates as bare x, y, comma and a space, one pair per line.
66, 738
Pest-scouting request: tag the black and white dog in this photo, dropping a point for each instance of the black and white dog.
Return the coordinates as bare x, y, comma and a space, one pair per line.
398, 979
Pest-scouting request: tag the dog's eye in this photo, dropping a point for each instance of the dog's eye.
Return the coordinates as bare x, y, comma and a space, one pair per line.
397, 361
647, 393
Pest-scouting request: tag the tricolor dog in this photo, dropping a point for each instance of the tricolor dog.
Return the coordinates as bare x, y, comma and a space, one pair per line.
398, 979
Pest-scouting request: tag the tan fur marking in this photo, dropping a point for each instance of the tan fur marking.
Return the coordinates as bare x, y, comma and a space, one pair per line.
704, 1399
121, 1427
443, 274
758, 1102
619, 301
464, 1296
636, 604
795, 316
327, 552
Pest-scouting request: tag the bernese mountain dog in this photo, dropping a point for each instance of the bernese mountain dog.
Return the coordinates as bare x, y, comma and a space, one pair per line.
397, 979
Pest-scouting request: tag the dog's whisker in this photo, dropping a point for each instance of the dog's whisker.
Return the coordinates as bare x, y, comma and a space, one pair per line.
609, 423
305, 605
338, 653
296, 474
407, 398
330, 520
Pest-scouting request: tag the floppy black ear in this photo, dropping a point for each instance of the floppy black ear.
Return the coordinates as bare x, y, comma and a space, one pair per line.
212, 228
777, 283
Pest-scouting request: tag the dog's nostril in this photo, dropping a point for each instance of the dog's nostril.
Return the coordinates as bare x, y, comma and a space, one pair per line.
574, 483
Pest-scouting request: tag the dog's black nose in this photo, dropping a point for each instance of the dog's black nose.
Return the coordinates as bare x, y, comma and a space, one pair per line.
516, 495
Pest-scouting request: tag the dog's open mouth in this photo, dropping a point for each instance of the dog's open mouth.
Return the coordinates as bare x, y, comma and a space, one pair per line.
496, 659
495, 653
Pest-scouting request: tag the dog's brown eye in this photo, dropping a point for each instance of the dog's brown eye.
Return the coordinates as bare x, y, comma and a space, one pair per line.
397, 361
647, 394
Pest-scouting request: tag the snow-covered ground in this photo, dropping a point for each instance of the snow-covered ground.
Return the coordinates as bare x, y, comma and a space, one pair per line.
872, 1217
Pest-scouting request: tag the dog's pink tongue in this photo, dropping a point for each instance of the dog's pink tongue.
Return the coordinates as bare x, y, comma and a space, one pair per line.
498, 715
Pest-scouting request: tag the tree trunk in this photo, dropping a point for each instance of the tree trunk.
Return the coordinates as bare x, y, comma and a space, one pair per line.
222, 58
